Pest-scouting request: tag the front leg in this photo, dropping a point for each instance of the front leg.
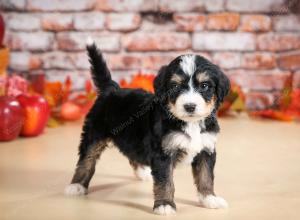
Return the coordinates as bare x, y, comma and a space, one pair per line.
162, 172
203, 172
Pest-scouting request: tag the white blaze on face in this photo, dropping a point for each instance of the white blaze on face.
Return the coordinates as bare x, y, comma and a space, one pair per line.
187, 64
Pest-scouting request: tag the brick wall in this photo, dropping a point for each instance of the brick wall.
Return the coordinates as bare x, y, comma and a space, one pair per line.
256, 42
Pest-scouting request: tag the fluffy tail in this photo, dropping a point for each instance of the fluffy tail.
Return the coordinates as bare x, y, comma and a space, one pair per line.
99, 70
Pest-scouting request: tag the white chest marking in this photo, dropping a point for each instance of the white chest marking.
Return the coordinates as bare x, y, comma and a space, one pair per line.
191, 140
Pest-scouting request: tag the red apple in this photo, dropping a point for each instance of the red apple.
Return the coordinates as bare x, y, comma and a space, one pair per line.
2, 30
70, 111
11, 118
37, 112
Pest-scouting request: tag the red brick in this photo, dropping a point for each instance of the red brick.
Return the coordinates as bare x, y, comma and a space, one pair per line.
89, 21
24, 61
82, 60
227, 60
58, 5
124, 62
123, 22
57, 22
264, 80
118, 75
278, 41
126, 5
258, 61
156, 61
289, 61
223, 21
181, 6
12, 4
35, 41
74, 41
189, 22
22, 22
214, 5
260, 100
58, 60
206, 55
224, 41
286, 23
296, 79
255, 23
157, 41
150, 24
256, 6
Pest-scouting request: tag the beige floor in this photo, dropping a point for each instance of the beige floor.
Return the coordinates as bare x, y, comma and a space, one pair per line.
257, 171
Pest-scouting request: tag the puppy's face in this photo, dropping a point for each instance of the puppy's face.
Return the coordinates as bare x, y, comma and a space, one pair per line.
193, 87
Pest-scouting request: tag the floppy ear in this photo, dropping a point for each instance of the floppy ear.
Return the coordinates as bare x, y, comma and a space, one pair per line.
223, 86
159, 81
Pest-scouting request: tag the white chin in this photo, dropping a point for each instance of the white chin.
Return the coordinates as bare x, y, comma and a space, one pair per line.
193, 118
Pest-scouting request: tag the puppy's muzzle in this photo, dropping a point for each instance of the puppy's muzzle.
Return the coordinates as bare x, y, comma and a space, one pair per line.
189, 107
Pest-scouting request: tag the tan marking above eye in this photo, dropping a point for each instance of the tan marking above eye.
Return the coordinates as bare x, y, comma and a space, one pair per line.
201, 77
176, 78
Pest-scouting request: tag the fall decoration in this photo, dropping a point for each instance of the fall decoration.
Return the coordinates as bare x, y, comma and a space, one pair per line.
140, 80
234, 101
65, 105
41, 102
286, 109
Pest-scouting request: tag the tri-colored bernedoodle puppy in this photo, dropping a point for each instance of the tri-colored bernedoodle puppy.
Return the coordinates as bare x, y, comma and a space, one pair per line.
177, 124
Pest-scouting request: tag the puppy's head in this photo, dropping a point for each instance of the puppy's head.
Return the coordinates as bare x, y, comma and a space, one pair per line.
191, 87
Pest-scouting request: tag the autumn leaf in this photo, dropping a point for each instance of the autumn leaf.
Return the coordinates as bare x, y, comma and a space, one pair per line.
272, 114
53, 93
53, 122
234, 101
67, 87
141, 81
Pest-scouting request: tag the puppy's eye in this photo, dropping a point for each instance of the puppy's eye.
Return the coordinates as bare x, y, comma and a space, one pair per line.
204, 86
175, 85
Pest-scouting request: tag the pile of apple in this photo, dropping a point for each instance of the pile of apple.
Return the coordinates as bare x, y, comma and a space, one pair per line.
21, 113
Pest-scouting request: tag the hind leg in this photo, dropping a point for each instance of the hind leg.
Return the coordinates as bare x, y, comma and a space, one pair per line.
85, 169
142, 172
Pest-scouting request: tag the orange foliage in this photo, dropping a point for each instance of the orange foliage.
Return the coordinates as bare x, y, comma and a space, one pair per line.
234, 101
140, 81
65, 104
272, 114
288, 109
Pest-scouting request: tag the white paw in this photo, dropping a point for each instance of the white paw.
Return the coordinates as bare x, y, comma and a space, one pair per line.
164, 210
75, 189
143, 173
213, 202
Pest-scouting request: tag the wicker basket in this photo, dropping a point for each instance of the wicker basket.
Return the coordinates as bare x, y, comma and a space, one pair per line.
4, 59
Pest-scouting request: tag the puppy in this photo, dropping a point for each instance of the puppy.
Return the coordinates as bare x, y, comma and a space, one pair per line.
155, 132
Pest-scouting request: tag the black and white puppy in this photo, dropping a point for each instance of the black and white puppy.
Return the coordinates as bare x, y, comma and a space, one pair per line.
177, 124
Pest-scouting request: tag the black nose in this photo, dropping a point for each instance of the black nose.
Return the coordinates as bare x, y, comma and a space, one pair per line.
190, 107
